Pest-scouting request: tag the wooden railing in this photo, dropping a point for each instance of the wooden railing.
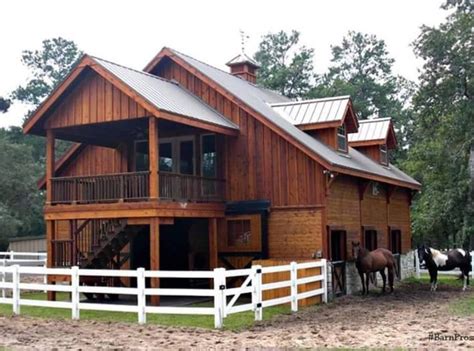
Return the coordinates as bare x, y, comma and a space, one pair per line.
102, 188
134, 186
190, 188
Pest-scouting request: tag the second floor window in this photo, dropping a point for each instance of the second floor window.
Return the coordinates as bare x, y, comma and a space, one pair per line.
383, 155
342, 138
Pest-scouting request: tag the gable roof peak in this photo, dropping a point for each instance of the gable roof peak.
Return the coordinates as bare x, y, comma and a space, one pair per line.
243, 58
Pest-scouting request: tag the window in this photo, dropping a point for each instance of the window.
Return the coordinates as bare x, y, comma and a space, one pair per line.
141, 156
337, 245
238, 233
208, 156
342, 138
166, 157
370, 239
396, 241
383, 155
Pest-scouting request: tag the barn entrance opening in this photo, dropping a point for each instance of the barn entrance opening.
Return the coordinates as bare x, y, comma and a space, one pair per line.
337, 255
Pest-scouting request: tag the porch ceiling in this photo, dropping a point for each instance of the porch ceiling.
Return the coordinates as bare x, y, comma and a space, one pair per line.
111, 134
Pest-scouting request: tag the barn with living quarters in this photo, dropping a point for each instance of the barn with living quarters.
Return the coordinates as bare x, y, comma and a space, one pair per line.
186, 166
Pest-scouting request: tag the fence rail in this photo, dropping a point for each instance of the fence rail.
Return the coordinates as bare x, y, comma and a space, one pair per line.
224, 299
419, 270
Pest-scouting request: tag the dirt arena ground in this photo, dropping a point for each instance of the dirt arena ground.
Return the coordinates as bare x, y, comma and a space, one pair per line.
403, 319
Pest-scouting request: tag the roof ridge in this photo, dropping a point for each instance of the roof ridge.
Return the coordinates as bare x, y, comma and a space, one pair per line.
134, 70
378, 119
301, 102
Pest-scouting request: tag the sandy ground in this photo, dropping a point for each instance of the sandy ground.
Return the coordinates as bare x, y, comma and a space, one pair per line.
403, 319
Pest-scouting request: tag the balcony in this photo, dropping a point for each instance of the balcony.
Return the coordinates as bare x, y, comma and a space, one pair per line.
135, 186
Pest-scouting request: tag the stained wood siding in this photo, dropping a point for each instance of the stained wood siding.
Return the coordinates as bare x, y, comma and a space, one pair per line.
96, 160
294, 234
372, 151
345, 210
259, 163
94, 100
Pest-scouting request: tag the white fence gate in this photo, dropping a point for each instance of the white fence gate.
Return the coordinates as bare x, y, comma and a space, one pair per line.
419, 270
220, 293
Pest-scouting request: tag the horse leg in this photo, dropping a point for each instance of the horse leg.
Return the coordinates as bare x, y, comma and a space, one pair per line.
367, 277
391, 275
434, 280
382, 273
362, 281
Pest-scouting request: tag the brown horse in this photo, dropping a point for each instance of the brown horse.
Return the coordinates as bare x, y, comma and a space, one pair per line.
373, 261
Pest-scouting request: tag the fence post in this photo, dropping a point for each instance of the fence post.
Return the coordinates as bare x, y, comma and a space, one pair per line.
294, 286
45, 277
12, 255
3, 275
141, 297
219, 297
472, 264
324, 282
75, 292
417, 265
257, 291
16, 289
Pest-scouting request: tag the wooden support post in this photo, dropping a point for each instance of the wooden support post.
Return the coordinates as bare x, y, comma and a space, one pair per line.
50, 159
153, 152
213, 260
50, 236
155, 256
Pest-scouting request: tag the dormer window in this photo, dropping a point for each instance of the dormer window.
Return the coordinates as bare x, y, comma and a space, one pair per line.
383, 155
342, 138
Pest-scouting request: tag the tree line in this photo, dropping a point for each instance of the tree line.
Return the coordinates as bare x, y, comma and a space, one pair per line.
433, 119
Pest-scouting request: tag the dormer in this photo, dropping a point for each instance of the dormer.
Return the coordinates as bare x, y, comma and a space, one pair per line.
329, 120
244, 67
375, 138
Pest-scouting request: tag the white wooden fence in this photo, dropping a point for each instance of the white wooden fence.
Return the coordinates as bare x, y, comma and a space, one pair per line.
9, 258
419, 270
224, 299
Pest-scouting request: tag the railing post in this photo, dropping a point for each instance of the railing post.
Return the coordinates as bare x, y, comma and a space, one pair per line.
75, 292
141, 297
219, 297
417, 265
257, 291
3, 275
16, 288
294, 286
324, 282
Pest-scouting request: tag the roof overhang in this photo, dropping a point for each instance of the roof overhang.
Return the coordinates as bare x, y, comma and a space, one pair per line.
35, 125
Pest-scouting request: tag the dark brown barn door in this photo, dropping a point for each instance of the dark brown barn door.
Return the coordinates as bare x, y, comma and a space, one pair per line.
337, 242
395, 244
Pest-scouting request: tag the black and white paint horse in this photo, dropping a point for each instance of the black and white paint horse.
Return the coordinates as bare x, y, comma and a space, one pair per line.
435, 261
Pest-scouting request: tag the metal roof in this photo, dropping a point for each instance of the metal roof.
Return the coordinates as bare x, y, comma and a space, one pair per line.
242, 58
371, 129
313, 111
166, 95
259, 100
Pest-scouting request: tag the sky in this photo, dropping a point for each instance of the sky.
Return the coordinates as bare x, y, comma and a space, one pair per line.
132, 32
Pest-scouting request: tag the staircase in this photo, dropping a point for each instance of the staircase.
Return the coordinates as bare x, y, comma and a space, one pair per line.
98, 243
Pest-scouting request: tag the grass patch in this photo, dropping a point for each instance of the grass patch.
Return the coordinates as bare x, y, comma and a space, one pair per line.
451, 280
236, 321
464, 306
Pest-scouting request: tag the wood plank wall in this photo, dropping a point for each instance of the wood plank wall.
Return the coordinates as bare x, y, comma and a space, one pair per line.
94, 100
372, 151
343, 211
260, 164
96, 160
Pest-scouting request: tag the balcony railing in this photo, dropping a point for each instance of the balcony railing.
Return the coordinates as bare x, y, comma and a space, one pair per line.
134, 186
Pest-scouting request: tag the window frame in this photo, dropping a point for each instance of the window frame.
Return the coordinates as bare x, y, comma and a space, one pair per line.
340, 136
383, 154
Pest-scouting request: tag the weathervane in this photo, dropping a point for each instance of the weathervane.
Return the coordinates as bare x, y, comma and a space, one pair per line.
243, 39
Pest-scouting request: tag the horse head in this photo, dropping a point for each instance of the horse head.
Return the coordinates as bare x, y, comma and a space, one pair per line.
424, 254
356, 249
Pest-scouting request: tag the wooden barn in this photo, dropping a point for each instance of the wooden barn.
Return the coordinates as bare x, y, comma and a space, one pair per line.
183, 166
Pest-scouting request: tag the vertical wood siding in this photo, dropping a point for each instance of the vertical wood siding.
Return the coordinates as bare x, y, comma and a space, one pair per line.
94, 100
259, 163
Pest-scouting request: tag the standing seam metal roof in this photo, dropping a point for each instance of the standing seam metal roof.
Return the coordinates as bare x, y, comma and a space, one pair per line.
313, 111
166, 95
371, 129
259, 100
